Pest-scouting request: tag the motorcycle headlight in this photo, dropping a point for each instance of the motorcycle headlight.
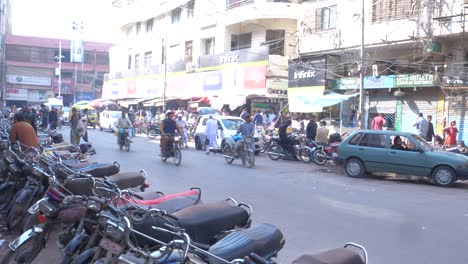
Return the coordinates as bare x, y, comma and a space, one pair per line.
114, 230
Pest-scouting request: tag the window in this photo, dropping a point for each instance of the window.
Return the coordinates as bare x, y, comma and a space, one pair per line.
138, 27
373, 140
325, 18
208, 46
149, 25
389, 10
403, 143
176, 14
148, 56
275, 41
188, 51
190, 7
242, 41
129, 62
137, 61
102, 59
355, 139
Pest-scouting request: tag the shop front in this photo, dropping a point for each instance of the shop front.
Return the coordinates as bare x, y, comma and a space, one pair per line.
456, 106
66, 90
399, 97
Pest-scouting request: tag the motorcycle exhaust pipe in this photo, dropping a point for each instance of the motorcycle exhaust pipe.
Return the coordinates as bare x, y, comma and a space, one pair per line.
275, 153
323, 156
227, 156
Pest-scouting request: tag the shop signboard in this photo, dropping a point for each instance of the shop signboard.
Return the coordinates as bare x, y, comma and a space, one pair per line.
347, 84
212, 81
234, 57
414, 80
29, 80
19, 94
379, 82
67, 86
306, 73
37, 96
454, 81
85, 96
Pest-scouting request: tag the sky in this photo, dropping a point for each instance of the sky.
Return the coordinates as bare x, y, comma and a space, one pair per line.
53, 18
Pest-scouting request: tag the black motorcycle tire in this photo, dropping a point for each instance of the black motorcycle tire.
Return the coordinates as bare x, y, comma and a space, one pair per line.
317, 159
16, 213
152, 133
248, 159
177, 156
84, 258
37, 244
275, 148
226, 150
29, 221
305, 155
5, 198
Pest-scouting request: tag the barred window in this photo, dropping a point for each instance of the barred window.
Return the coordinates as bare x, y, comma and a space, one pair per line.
325, 18
389, 10
275, 41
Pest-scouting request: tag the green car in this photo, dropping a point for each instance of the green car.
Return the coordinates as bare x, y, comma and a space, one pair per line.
399, 152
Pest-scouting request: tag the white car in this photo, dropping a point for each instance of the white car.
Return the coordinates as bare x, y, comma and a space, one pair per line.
66, 114
227, 127
108, 120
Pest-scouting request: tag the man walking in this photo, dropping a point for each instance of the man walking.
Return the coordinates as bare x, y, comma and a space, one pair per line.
378, 122
258, 118
311, 129
421, 125
85, 120
430, 129
211, 132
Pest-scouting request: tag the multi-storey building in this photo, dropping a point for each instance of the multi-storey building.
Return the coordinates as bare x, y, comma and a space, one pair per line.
229, 50
414, 58
5, 28
31, 76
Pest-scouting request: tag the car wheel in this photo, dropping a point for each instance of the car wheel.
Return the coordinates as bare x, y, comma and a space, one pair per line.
198, 145
444, 176
355, 168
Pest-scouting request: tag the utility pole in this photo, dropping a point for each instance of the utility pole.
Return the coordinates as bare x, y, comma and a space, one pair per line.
165, 56
362, 118
2, 48
60, 69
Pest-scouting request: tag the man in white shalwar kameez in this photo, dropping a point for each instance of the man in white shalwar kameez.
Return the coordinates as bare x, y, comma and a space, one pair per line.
211, 132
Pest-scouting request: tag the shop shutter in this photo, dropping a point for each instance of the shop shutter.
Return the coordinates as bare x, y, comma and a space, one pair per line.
415, 102
458, 111
380, 101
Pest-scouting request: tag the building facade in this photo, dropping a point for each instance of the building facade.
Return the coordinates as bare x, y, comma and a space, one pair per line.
414, 58
229, 50
31, 74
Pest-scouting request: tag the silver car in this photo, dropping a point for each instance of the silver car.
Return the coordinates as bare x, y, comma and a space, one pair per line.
227, 127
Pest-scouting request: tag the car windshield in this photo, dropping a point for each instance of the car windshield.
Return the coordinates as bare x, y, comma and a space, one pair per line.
423, 143
115, 114
232, 124
209, 111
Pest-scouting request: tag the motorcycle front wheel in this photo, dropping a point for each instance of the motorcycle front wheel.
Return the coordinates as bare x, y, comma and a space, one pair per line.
226, 150
319, 157
304, 155
26, 253
152, 133
177, 156
275, 151
16, 214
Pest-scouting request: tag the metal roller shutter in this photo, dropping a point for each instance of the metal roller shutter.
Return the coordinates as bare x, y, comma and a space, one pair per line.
380, 101
415, 102
458, 111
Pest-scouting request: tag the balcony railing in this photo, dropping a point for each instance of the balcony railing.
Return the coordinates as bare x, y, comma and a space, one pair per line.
230, 4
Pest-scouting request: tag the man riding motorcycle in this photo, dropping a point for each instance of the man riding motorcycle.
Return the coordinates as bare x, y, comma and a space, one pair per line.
123, 123
168, 127
285, 141
246, 129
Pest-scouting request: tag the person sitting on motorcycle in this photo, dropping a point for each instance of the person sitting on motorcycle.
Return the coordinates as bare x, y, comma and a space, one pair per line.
246, 129
123, 123
285, 141
182, 124
168, 127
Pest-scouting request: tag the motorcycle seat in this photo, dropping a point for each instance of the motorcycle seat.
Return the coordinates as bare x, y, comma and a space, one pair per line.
264, 240
204, 221
100, 170
334, 256
127, 180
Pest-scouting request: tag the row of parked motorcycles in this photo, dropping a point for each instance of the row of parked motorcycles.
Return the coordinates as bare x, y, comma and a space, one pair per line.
300, 148
105, 215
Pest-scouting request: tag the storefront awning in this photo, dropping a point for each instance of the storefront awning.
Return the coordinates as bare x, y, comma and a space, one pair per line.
127, 102
328, 99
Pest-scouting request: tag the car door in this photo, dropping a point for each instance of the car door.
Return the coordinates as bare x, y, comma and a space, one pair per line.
410, 160
372, 150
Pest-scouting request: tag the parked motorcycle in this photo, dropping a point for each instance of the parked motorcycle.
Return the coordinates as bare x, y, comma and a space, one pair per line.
299, 150
325, 153
239, 147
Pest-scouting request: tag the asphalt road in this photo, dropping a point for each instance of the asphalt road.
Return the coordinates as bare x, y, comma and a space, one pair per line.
398, 220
